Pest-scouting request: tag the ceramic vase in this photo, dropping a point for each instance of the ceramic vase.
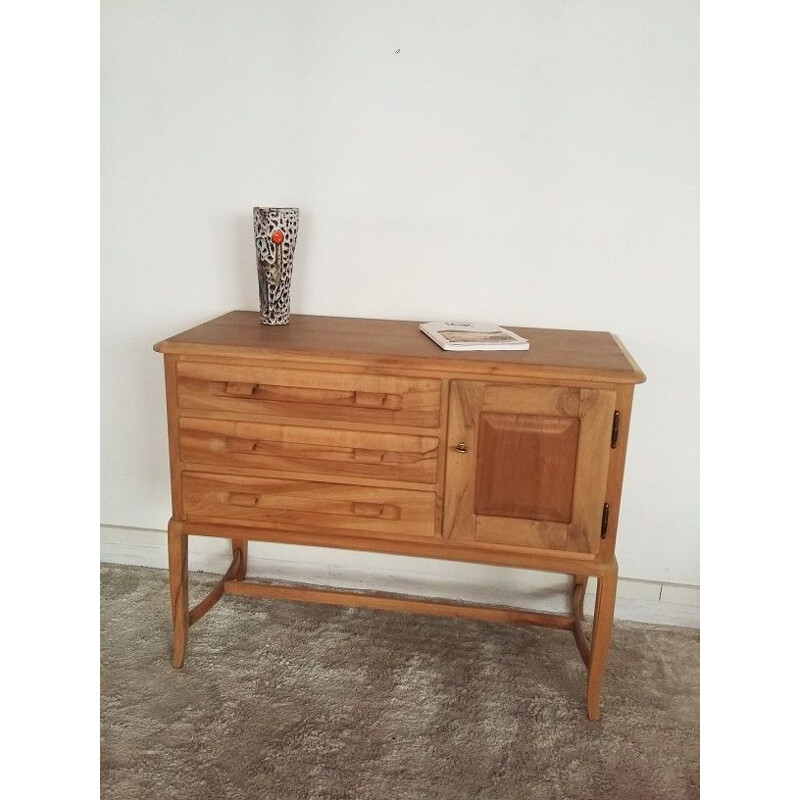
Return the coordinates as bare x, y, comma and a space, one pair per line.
276, 236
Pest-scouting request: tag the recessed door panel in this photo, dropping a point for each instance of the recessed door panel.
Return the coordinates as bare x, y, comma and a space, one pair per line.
526, 466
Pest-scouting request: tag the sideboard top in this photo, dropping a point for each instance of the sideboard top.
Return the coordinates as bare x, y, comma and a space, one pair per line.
585, 355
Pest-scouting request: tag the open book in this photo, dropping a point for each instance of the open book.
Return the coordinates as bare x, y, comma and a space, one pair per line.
472, 336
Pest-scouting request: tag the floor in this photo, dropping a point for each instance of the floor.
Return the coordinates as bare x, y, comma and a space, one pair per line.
288, 701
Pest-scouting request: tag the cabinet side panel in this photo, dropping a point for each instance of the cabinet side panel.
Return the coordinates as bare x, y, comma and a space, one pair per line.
175, 466
616, 471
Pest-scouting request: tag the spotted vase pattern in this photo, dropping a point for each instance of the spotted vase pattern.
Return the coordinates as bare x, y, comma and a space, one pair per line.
276, 235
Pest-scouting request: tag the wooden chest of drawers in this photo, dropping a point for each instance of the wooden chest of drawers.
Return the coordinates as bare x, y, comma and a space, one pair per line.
364, 434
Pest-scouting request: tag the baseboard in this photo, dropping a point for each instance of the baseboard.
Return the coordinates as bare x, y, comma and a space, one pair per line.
637, 600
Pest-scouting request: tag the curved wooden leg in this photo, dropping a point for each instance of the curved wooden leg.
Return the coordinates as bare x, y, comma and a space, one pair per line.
240, 544
601, 637
578, 594
178, 547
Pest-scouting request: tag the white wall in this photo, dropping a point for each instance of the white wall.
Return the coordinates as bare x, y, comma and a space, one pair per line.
530, 162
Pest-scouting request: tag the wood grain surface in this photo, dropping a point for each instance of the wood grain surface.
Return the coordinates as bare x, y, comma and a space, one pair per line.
364, 434
592, 355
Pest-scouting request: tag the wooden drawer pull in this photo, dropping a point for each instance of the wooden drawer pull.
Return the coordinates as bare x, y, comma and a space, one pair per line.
364, 456
370, 399
243, 499
240, 389
240, 445
376, 511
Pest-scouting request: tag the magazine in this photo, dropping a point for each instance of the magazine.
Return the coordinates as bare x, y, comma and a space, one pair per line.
472, 336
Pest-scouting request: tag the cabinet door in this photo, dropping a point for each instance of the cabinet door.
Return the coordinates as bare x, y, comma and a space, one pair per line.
527, 465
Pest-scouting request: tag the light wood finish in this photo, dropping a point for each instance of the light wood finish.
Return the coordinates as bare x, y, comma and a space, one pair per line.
616, 471
528, 533
424, 547
578, 596
178, 551
591, 471
408, 605
214, 596
545, 454
305, 394
525, 466
601, 637
316, 506
173, 421
363, 434
572, 355
240, 545
323, 477
466, 401
295, 448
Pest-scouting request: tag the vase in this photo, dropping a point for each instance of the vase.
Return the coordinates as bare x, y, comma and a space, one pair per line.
276, 235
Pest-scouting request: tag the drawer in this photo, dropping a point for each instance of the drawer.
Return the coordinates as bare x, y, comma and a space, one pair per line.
312, 506
389, 456
303, 394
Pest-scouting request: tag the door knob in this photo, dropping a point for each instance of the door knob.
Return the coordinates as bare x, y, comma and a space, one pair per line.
461, 447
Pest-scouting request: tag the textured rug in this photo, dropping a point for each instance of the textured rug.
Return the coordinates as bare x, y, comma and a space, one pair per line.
290, 701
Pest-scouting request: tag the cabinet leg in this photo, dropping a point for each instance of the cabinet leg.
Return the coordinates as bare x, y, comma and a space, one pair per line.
578, 593
178, 547
240, 544
601, 637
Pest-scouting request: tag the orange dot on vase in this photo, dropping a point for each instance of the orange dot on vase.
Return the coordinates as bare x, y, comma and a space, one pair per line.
277, 237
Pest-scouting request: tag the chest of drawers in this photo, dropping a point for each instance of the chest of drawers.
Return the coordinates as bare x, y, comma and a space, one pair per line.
364, 434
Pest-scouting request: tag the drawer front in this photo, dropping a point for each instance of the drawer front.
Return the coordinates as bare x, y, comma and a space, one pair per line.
303, 394
311, 506
389, 456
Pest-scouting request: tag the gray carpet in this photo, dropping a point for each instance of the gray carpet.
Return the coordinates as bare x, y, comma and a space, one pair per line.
283, 701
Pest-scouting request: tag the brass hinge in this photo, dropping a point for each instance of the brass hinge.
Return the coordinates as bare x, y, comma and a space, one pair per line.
615, 429
604, 523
